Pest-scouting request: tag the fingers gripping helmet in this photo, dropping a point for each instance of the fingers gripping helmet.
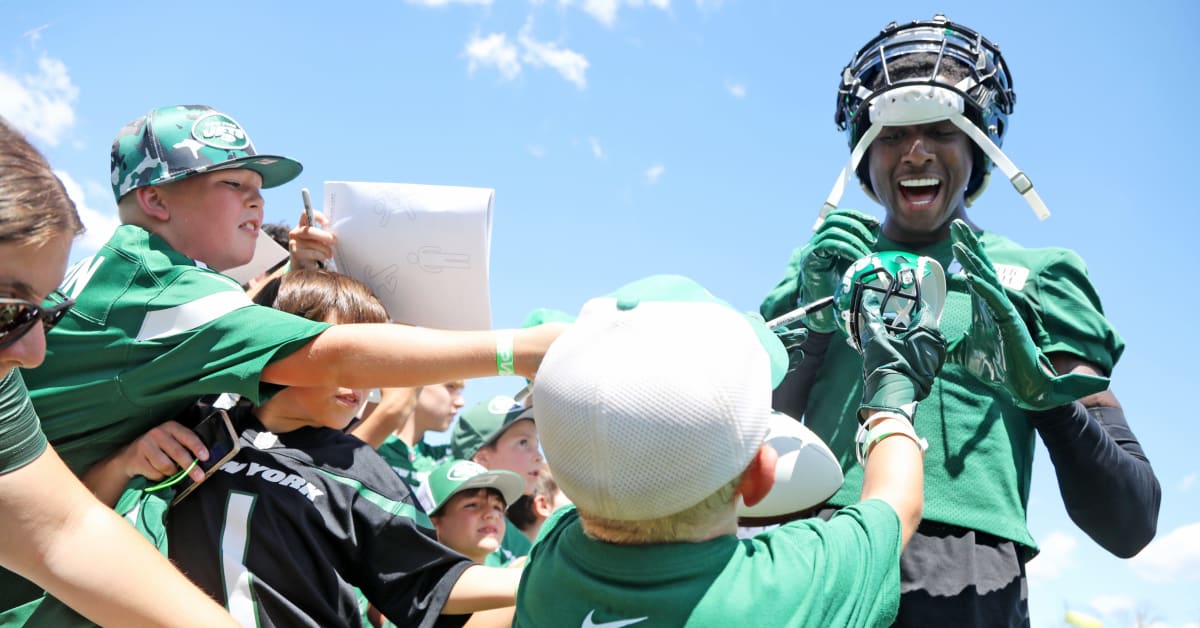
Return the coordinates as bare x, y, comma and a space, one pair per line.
922, 72
902, 289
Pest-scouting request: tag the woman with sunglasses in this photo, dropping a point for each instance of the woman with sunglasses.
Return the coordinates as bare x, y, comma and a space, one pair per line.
52, 530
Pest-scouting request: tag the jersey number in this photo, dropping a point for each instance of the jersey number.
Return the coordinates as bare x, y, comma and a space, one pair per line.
235, 541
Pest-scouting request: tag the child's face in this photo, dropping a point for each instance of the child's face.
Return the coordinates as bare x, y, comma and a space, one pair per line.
516, 450
215, 217
472, 523
300, 406
437, 405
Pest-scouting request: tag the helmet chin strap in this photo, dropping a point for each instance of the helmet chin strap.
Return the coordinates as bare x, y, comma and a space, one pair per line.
922, 104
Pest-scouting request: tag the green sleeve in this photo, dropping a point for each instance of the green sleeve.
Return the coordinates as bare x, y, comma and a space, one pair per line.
782, 298
21, 436
1068, 316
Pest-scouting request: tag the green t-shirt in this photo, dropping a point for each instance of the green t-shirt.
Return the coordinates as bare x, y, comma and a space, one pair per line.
21, 438
413, 465
149, 333
981, 447
841, 572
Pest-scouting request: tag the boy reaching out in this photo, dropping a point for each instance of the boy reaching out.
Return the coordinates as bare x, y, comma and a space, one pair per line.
654, 451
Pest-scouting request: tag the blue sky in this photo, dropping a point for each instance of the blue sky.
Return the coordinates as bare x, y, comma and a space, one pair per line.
626, 138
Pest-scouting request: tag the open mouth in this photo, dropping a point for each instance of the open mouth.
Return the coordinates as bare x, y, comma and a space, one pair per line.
920, 192
350, 400
249, 226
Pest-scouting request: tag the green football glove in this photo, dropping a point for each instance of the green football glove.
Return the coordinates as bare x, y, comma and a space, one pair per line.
898, 369
843, 237
997, 347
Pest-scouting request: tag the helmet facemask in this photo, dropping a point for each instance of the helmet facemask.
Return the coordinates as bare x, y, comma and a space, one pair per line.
901, 289
878, 90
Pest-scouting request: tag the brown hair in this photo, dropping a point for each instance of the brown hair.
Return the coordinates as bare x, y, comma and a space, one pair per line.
520, 512
34, 205
316, 294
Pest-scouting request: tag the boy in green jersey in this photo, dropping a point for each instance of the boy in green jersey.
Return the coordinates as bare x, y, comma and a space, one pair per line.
653, 409
156, 325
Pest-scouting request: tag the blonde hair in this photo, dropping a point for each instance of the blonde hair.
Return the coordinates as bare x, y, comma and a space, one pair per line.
692, 524
34, 205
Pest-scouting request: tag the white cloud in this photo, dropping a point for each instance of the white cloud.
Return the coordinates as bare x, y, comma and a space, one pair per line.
737, 90
497, 51
537, 151
100, 225
1172, 558
570, 64
40, 105
597, 151
653, 173
1110, 604
1057, 555
493, 51
1188, 482
708, 6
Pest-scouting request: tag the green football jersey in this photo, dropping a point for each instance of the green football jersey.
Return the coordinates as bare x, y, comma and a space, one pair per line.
149, 333
977, 468
841, 572
21, 438
413, 465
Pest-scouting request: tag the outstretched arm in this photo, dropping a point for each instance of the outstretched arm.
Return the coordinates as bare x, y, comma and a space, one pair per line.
1099, 462
54, 532
390, 356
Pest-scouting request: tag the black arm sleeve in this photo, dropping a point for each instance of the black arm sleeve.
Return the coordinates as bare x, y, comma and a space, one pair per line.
1106, 482
791, 396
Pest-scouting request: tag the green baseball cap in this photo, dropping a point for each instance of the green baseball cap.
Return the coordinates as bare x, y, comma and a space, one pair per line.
483, 424
453, 477
171, 143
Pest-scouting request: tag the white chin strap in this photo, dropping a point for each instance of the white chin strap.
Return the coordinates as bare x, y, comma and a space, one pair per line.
922, 104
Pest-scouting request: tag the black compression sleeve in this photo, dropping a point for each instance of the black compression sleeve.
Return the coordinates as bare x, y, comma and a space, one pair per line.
791, 396
1107, 484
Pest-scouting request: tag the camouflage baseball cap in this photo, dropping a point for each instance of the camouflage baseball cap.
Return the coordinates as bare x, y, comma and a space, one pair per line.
171, 143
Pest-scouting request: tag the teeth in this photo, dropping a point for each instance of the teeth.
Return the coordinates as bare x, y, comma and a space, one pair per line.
920, 183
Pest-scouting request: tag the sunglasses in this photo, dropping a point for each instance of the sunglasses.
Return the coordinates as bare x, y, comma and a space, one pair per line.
18, 316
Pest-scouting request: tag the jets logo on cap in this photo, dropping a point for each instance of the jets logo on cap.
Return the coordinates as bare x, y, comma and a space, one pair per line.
501, 404
220, 131
464, 471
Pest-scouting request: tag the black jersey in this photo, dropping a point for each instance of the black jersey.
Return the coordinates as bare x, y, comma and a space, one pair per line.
284, 532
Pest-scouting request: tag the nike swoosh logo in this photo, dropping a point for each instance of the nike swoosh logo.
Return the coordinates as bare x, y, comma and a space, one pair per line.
588, 623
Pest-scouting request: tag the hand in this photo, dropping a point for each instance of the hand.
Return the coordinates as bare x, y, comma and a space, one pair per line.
898, 369
997, 347
843, 237
793, 338
311, 246
163, 451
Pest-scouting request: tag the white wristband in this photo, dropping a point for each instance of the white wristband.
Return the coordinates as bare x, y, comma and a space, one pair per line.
880, 426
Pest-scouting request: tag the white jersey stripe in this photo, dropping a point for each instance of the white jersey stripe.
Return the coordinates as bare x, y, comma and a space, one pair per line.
190, 315
234, 543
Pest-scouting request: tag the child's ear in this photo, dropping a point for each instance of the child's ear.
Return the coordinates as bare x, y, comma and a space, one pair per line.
541, 506
152, 202
759, 476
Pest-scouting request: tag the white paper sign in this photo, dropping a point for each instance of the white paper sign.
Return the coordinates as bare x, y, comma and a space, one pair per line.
423, 249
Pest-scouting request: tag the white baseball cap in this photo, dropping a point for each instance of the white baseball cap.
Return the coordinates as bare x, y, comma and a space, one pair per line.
657, 396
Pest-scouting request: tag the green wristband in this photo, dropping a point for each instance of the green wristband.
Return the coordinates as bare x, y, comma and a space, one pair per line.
504, 353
